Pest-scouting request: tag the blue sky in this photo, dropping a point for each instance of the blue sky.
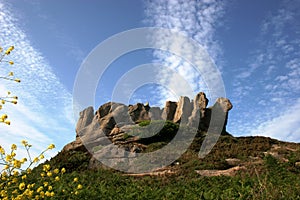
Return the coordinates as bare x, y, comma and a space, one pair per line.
255, 45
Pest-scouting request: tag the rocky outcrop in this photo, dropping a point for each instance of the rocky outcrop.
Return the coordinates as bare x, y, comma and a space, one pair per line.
139, 112
85, 118
199, 110
169, 111
114, 123
220, 110
183, 110
224, 103
155, 113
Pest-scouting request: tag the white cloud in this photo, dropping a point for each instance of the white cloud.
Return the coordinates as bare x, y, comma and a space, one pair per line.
283, 127
43, 114
274, 75
194, 19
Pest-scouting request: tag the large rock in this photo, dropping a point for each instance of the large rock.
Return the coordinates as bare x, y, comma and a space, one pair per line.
219, 112
75, 146
85, 118
93, 135
155, 113
118, 114
113, 123
224, 103
200, 102
183, 110
169, 110
104, 109
139, 112
199, 110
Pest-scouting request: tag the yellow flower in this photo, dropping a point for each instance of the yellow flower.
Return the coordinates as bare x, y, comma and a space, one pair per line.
49, 174
40, 189
24, 142
51, 146
15, 191
75, 180
24, 177
79, 187
52, 194
56, 171
76, 193
8, 158
57, 178
22, 186
45, 184
23, 160
14, 101
11, 62
29, 193
4, 116
7, 52
43, 174
17, 80
50, 187
10, 74
4, 174
2, 151
42, 194
16, 173
63, 170
6, 166
36, 159
46, 167
48, 194
17, 164
7, 122
42, 157
13, 147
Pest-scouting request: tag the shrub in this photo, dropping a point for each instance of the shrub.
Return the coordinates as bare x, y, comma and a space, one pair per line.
18, 183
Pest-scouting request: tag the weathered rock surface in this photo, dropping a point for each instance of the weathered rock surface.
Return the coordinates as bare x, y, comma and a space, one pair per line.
139, 112
169, 111
85, 118
199, 107
228, 172
112, 124
183, 110
155, 113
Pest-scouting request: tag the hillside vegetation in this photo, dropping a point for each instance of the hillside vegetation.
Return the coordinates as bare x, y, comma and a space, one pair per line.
236, 168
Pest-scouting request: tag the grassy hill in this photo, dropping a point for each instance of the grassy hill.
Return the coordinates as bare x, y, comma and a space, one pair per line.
236, 168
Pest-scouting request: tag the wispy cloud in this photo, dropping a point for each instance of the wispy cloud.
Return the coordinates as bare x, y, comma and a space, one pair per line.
284, 127
194, 19
270, 83
43, 114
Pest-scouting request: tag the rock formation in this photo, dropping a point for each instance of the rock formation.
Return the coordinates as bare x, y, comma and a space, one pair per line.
169, 111
113, 122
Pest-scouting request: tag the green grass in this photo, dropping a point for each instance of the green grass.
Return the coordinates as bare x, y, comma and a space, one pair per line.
277, 183
273, 179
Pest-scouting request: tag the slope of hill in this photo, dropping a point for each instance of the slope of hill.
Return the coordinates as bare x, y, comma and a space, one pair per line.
235, 168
